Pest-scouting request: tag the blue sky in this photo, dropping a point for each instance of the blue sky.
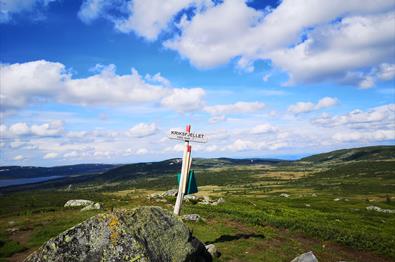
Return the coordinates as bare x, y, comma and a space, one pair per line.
104, 81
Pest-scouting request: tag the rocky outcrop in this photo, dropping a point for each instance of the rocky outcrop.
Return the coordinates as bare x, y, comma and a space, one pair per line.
204, 200
78, 203
142, 234
193, 218
95, 206
379, 209
306, 257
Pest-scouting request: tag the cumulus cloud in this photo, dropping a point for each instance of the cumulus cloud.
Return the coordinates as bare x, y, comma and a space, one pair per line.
9, 8
53, 128
263, 129
377, 117
18, 158
327, 40
41, 81
238, 107
146, 19
142, 130
184, 100
149, 18
19, 129
305, 107
92, 9
50, 155
361, 136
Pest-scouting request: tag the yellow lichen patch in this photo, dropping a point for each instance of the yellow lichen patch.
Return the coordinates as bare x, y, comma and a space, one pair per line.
113, 225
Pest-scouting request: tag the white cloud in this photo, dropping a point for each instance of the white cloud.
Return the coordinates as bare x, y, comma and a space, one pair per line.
53, 128
326, 102
377, 117
8, 8
378, 135
17, 143
263, 129
18, 158
184, 100
48, 129
326, 40
305, 107
42, 81
301, 107
157, 78
142, 130
24, 83
386, 71
142, 151
238, 107
19, 129
92, 9
149, 18
50, 155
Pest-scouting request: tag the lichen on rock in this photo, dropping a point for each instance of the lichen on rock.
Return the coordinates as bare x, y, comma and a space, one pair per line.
142, 234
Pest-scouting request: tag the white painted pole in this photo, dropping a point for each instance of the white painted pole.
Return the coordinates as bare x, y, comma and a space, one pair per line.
184, 168
188, 167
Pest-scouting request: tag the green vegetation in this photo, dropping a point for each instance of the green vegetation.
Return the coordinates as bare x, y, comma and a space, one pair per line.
325, 210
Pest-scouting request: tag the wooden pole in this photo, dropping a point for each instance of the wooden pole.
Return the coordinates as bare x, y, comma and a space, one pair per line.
184, 169
188, 167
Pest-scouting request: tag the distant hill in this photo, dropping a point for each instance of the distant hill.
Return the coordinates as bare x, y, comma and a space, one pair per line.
15, 172
354, 154
173, 166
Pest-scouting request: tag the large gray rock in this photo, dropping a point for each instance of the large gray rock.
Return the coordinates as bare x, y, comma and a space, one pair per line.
95, 206
306, 257
78, 203
142, 234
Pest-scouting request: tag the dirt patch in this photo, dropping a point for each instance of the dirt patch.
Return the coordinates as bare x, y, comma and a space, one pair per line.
21, 236
19, 257
330, 251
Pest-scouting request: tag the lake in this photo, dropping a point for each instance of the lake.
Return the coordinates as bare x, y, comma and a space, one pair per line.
24, 181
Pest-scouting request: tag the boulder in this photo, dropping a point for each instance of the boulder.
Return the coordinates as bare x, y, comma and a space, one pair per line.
171, 192
219, 201
78, 203
191, 197
91, 207
379, 209
212, 249
141, 234
192, 217
306, 257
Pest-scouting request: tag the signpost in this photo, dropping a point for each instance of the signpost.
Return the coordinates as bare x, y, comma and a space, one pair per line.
187, 137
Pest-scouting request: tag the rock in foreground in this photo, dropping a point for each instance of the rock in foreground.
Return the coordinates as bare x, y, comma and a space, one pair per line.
306, 257
142, 234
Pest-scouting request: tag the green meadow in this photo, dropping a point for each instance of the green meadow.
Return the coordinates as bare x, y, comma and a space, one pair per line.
273, 211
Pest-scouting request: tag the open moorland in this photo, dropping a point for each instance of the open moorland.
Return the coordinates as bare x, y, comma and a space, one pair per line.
340, 205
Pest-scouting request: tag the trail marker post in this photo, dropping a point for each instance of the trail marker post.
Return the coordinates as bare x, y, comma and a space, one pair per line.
187, 137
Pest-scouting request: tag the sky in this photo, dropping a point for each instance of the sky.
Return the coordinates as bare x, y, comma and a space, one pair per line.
97, 81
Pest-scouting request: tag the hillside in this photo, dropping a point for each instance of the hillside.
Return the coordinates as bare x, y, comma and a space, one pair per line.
354, 154
271, 210
15, 172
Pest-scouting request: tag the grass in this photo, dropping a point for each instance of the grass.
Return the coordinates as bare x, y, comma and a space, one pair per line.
255, 223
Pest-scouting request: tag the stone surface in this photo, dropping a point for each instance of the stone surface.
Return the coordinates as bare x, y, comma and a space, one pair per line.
91, 207
306, 257
171, 192
78, 203
379, 209
212, 249
192, 217
142, 234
